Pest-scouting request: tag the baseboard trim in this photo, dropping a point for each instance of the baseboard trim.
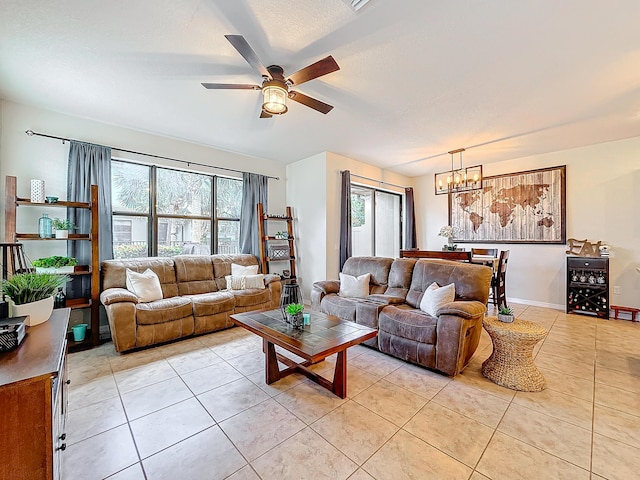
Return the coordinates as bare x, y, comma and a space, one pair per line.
535, 303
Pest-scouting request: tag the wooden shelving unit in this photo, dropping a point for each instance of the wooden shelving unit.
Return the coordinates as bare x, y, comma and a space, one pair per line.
267, 240
12, 202
588, 286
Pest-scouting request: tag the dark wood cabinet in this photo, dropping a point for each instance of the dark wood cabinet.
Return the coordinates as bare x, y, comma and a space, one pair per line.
33, 402
588, 286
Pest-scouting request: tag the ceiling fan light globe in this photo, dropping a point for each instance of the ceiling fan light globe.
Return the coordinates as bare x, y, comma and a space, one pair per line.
275, 99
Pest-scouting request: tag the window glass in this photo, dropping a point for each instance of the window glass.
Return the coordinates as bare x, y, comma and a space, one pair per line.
228, 236
375, 222
387, 236
129, 187
130, 235
178, 236
229, 197
183, 193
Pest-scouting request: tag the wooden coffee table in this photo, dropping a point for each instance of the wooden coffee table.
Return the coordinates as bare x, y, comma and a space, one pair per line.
324, 336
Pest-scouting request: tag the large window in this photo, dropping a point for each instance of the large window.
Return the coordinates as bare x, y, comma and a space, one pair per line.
376, 222
165, 212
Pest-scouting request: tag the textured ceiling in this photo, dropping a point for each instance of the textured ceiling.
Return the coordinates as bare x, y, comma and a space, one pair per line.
418, 77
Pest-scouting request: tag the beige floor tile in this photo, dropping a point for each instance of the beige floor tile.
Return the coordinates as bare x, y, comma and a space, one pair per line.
178, 348
355, 431
169, 426
418, 380
475, 379
478, 476
460, 437
86, 373
473, 403
145, 400
376, 363
618, 399
406, 457
245, 473
222, 337
562, 439
614, 460
278, 387
236, 348
208, 378
309, 401
622, 362
617, 425
93, 419
509, 459
621, 380
260, 428
563, 383
558, 405
109, 452
250, 363
144, 375
391, 402
577, 354
361, 475
562, 365
357, 379
134, 472
190, 361
128, 361
230, 399
306, 455
92, 391
208, 454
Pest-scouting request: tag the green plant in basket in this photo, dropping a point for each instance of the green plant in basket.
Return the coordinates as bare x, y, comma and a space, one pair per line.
31, 287
295, 309
63, 224
55, 261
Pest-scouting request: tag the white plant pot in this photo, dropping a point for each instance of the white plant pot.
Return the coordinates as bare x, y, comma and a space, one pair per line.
506, 318
60, 270
38, 312
62, 233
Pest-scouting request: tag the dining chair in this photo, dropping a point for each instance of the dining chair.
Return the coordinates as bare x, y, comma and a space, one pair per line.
484, 251
498, 282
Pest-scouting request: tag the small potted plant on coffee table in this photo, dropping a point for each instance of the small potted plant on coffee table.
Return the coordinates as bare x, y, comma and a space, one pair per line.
294, 315
505, 314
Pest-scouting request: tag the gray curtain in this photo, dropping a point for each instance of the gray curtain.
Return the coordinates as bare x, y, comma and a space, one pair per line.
345, 217
254, 191
410, 237
89, 165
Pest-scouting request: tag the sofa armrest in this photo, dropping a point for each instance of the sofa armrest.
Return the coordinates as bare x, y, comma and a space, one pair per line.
271, 277
117, 295
386, 299
462, 308
275, 290
320, 289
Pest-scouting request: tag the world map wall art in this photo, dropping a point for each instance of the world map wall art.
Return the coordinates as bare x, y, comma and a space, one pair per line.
523, 207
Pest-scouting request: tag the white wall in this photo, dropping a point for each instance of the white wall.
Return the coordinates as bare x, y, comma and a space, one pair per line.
37, 157
603, 199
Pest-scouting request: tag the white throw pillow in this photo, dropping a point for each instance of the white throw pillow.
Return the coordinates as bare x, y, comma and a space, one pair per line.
435, 297
145, 286
354, 287
245, 281
242, 270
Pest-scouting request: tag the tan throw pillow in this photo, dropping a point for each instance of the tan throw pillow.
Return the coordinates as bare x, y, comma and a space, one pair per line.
242, 270
354, 287
145, 286
435, 297
244, 282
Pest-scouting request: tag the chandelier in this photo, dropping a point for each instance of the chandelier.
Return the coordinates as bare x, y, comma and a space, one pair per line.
458, 180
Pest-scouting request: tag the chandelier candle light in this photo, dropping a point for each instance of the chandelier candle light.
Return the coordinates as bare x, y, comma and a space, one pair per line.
460, 180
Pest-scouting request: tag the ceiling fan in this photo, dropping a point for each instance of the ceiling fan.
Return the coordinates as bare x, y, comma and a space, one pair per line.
275, 87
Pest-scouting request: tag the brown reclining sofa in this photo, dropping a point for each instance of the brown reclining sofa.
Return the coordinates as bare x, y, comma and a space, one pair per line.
195, 298
445, 342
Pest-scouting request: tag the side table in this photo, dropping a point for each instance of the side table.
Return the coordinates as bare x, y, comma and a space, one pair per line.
511, 362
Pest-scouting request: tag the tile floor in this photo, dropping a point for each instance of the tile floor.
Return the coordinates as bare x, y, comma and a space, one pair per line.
199, 409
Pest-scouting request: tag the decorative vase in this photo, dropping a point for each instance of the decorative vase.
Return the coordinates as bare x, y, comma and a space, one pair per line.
37, 312
296, 321
290, 294
37, 191
62, 233
506, 318
45, 226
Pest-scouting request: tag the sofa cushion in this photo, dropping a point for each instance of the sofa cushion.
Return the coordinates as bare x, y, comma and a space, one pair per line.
436, 297
251, 297
164, 310
194, 274
400, 277
245, 281
145, 286
243, 270
222, 266
408, 323
343, 308
378, 267
354, 287
114, 276
212, 303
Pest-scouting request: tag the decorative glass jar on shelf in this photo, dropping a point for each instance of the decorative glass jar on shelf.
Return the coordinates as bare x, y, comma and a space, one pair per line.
45, 226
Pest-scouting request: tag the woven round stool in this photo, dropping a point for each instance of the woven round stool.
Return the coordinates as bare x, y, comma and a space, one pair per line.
511, 363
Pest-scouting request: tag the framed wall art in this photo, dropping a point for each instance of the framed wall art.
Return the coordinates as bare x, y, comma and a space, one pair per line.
522, 207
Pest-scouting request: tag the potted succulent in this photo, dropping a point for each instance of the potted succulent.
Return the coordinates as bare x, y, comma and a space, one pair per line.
294, 315
55, 264
32, 294
62, 227
505, 314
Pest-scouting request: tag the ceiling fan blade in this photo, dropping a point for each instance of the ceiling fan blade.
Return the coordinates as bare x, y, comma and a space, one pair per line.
264, 114
310, 102
231, 86
315, 70
247, 53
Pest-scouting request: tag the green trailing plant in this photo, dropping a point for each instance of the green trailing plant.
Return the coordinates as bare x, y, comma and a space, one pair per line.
60, 224
55, 261
31, 287
295, 309
504, 310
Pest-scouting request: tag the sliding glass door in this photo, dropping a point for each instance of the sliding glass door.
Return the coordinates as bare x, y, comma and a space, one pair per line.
376, 219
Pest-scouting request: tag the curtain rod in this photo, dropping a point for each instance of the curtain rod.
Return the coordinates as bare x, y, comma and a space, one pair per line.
374, 180
31, 133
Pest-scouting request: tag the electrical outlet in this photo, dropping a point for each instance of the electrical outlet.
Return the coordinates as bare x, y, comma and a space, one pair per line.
617, 290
